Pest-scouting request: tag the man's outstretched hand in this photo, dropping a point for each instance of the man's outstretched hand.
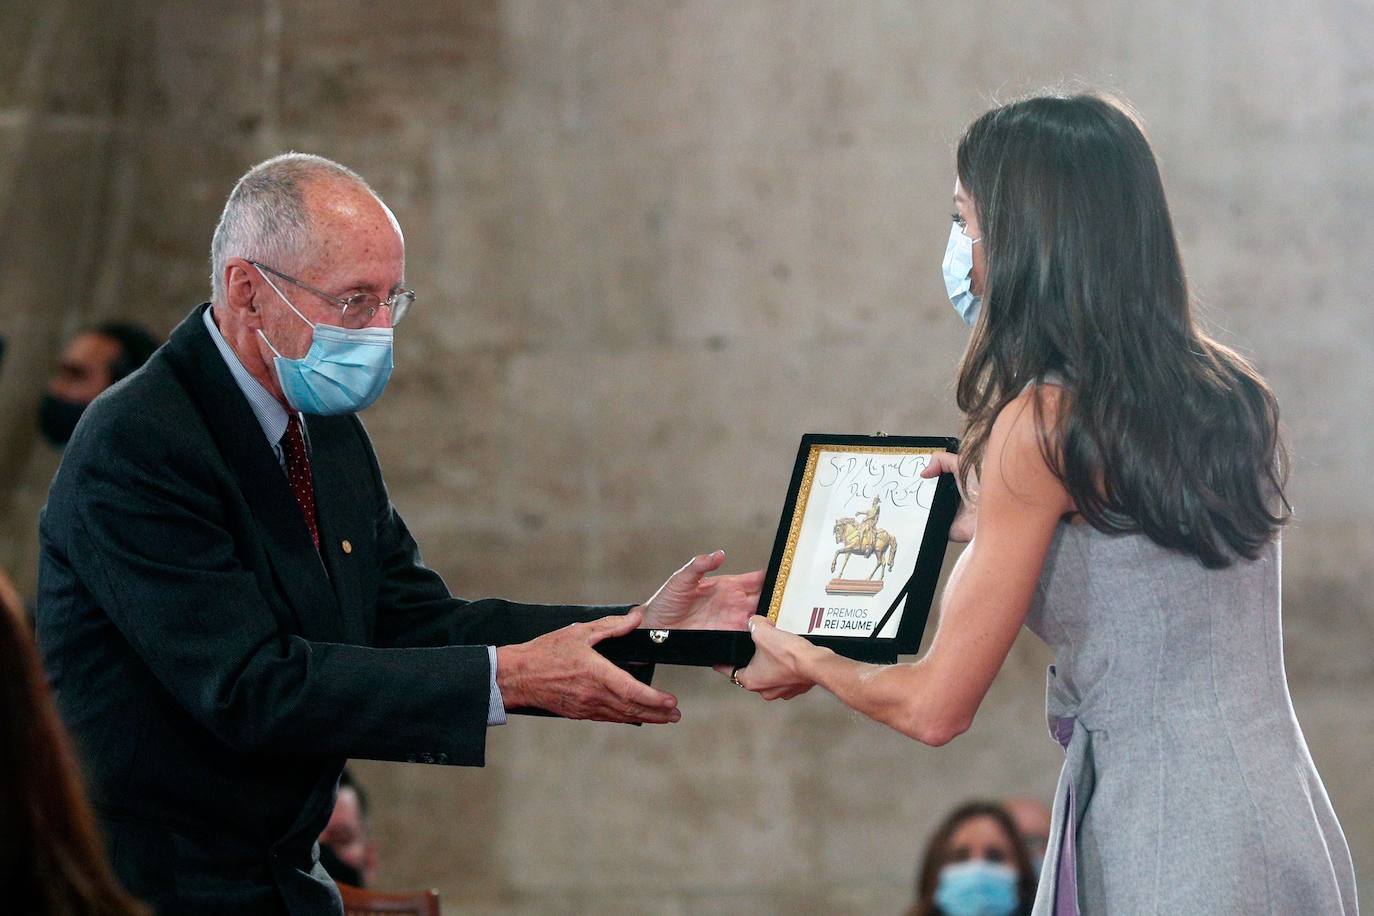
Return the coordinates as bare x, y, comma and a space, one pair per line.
689, 600
562, 673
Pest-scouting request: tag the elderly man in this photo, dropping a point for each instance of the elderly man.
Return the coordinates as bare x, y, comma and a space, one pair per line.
229, 604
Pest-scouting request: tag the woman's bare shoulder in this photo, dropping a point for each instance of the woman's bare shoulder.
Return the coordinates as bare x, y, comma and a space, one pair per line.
1018, 443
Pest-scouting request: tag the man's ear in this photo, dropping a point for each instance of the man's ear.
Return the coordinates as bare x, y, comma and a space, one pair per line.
240, 291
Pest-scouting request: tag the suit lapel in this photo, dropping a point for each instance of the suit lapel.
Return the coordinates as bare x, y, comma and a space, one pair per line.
344, 517
236, 431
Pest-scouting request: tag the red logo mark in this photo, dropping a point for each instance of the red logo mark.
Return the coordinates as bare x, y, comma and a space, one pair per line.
817, 615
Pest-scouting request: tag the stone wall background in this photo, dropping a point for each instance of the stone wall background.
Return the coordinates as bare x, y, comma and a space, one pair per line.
656, 242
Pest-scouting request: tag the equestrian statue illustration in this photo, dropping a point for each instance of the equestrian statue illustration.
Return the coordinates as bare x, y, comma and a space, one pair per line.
861, 536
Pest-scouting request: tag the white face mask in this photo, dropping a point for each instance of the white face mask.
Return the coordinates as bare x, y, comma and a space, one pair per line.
958, 270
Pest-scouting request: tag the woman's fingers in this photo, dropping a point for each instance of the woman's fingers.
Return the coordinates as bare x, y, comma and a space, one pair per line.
941, 463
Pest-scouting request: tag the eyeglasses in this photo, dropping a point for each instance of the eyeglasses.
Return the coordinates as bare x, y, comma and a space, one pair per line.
357, 310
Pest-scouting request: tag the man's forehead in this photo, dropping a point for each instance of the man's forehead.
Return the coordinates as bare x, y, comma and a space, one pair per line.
352, 231
347, 202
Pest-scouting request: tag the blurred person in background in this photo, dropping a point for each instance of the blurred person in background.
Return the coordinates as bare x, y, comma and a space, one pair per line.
348, 850
975, 865
1032, 817
52, 859
1124, 477
91, 361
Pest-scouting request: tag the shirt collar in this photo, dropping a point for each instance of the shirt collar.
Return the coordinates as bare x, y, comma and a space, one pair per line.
272, 416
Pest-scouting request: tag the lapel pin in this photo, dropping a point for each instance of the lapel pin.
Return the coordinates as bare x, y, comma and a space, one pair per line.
347, 545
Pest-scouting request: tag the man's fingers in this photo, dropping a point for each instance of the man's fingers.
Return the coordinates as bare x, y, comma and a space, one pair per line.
611, 709
611, 695
650, 715
633, 712
619, 684
614, 625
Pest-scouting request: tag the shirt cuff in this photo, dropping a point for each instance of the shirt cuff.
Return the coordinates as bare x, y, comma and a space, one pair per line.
496, 710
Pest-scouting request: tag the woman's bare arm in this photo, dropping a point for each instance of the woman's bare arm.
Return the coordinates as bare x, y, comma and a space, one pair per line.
985, 601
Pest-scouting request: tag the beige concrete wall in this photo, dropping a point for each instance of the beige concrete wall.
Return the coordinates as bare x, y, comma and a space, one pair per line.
656, 242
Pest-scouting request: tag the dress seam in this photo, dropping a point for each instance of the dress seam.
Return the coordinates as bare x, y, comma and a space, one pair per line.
1160, 758
1225, 724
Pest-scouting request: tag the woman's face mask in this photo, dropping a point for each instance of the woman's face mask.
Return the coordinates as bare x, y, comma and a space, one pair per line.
977, 888
958, 270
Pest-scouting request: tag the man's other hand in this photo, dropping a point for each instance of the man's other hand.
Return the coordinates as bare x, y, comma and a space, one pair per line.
690, 600
562, 673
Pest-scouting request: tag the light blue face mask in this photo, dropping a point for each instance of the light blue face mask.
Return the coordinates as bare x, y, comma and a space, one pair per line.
977, 888
958, 270
343, 372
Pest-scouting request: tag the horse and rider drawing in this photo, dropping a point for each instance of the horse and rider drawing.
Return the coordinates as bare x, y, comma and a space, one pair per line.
860, 536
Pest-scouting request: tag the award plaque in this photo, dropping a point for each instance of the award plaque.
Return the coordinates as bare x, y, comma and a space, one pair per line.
855, 562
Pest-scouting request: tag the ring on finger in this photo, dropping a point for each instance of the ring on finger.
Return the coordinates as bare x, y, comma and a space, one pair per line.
734, 677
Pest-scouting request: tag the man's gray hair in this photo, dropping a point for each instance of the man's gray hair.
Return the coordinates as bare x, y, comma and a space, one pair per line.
265, 218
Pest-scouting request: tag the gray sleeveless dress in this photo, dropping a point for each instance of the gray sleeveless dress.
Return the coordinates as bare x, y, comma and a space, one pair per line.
1187, 786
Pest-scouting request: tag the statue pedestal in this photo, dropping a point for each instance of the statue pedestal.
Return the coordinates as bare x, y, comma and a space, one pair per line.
854, 586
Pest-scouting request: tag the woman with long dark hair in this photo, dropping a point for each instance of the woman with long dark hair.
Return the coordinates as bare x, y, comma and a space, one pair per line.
1125, 479
52, 860
975, 864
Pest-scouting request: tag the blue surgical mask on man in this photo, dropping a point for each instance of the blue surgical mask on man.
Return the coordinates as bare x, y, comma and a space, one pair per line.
977, 888
343, 372
958, 270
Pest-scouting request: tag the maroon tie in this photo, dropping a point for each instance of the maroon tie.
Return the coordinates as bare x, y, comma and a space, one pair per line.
298, 473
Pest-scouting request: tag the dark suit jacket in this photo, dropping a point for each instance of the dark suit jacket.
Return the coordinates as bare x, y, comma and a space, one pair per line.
214, 669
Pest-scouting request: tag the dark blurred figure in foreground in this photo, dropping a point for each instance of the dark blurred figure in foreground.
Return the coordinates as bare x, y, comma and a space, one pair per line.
347, 850
51, 857
91, 361
9, 596
975, 865
1032, 818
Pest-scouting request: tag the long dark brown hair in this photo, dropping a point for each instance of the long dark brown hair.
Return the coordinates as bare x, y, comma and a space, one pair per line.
938, 856
51, 856
1159, 428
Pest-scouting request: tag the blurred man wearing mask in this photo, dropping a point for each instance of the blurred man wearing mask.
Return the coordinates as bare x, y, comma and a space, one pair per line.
91, 361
